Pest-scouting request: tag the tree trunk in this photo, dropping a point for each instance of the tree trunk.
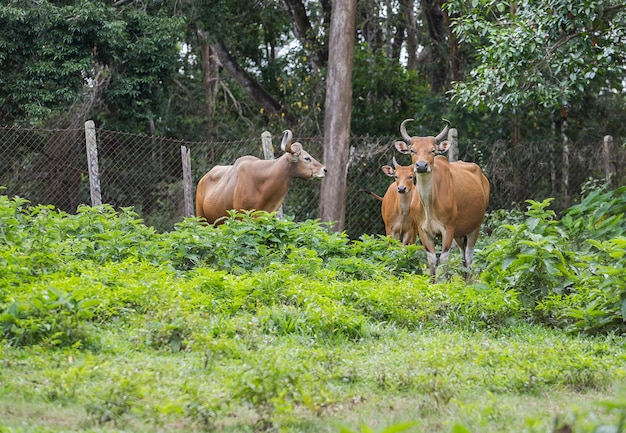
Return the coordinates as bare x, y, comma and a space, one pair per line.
412, 39
398, 29
608, 152
210, 72
453, 47
369, 25
338, 112
565, 162
433, 17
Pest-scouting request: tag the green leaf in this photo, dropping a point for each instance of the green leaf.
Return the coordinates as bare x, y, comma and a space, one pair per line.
458, 428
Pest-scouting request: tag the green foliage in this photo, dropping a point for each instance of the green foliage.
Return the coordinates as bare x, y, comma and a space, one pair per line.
254, 241
382, 88
601, 292
305, 322
49, 316
363, 428
80, 44
537, 53
117, 400
532, 258
569, 271
599, 215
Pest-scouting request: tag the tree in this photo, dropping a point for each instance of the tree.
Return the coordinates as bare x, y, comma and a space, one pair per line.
59, 61
338, 112
542, 56
539, 53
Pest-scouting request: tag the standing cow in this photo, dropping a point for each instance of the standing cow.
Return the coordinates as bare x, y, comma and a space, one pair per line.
254, 184
452, 197
396, 203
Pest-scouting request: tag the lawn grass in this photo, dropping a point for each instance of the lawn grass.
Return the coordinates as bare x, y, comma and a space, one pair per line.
518, 378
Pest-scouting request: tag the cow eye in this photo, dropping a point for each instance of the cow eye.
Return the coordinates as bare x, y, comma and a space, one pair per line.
307, 158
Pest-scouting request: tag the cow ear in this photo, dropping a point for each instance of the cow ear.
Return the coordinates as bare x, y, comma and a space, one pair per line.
443, 146
296, 149
401, 147
389, 171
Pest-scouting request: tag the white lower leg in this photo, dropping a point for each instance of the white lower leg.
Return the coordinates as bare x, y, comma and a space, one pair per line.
432, 261
443, 259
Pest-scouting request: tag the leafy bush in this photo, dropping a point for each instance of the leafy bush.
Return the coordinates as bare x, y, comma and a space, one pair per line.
533, 258
254, 241
600, 301
50, 316
599, 215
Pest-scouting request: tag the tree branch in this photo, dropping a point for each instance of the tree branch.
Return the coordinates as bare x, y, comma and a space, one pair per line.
304, 32
247, 82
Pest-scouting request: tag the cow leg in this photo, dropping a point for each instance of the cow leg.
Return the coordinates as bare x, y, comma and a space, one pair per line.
462, 243
446, 245
469, 249
429, 245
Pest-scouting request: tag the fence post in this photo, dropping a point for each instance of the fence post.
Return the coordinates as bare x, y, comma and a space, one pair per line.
187, 183
268, 153
453, 138
609, 167
92, 163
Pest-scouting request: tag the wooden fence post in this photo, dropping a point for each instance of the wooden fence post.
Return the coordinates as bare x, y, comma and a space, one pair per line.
609, 166
453, 138
92, 163
187, 182
268, 153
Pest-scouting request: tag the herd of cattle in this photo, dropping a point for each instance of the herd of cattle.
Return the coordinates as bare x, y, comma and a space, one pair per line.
431, 198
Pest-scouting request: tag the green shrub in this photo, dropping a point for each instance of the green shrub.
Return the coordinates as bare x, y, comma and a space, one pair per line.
533, 258
49, 316
598, 216
601, 300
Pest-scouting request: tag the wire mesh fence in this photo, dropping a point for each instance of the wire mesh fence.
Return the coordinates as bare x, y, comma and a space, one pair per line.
145, 172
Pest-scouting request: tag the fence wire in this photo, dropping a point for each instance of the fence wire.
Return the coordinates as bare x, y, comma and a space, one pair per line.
48, 166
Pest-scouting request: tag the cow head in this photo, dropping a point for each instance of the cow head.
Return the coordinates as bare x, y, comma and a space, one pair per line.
423, 149
403, 176
305, 165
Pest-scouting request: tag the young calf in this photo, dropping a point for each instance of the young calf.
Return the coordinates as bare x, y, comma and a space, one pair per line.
396, 204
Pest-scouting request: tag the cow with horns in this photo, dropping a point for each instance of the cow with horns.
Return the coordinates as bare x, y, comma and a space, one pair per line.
396, 203
451, 198
254, 184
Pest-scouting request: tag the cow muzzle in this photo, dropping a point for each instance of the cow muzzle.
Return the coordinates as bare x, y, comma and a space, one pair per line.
321, 173
401, 189
422, 167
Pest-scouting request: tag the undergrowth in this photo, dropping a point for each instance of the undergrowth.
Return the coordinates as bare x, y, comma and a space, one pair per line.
275, 318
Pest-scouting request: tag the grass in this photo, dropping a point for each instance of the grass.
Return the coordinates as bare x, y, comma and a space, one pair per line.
518, 377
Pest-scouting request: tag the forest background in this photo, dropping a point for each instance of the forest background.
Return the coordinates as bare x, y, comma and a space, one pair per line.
507, 74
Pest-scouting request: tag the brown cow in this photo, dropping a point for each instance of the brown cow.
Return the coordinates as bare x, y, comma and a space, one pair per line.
451, 201
396, 203
254, 184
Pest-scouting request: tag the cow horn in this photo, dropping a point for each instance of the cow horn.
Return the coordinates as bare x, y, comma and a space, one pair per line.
443, 133
406, 136
395, 163
285, 145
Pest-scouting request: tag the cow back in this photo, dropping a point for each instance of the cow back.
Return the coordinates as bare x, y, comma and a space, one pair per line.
471, 191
